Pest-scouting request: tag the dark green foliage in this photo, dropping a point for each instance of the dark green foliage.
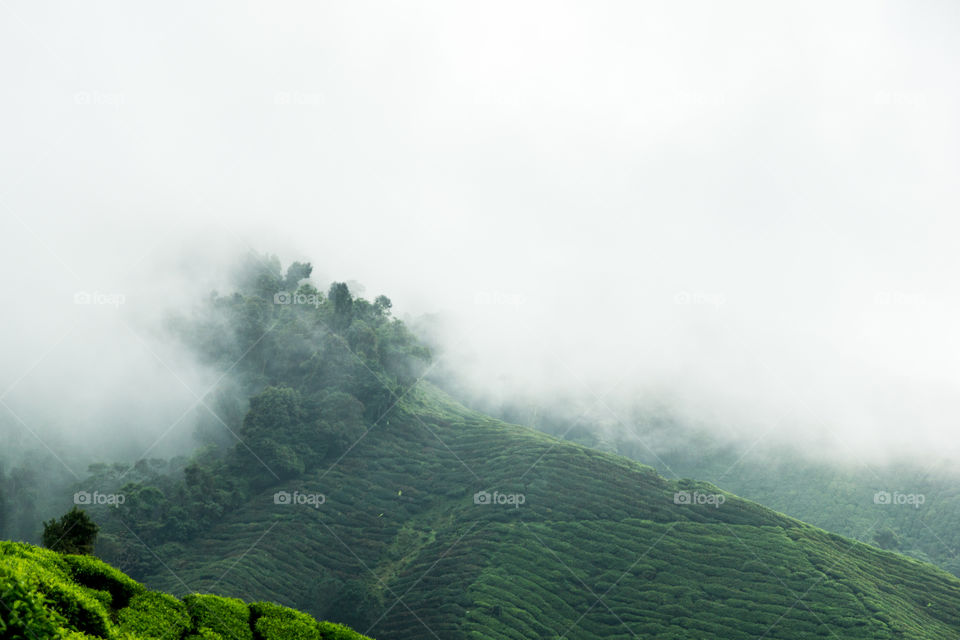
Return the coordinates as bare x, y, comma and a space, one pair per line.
74, 532
96, 574
276, 411
272, 436
342, 301
295, 273
355, 605
339, 422
309, 375
382, 305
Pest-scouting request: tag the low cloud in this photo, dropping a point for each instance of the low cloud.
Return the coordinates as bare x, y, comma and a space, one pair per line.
742, 214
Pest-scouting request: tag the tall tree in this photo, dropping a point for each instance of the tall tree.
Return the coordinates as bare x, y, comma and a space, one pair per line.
74, 532
295, 273
342, 304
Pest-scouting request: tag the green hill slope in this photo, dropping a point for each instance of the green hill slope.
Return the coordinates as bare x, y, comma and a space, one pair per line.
46, 595
598, 549
846, 499
906, 504
337, 482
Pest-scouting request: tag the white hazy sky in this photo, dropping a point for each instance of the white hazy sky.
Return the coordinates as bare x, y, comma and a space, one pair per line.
750, 207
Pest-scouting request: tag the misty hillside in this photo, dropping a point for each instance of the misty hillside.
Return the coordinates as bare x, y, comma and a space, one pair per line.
44, 594
906, 507
400, 537
342, 484
904, 504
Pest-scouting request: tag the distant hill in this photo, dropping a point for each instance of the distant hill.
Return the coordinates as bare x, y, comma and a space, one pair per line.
908, 507
44, 594
908, 504
337, 481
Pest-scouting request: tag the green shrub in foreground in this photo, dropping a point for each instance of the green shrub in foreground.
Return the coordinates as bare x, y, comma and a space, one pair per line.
334, 631
96, 574
82, 609
274, 622
45, 595
228, 617
47, 573
155, 615
23, 610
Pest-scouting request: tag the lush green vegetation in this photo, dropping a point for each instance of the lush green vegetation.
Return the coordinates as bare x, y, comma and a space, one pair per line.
837, 494
400, 523
336, 482
44, 594
846, 498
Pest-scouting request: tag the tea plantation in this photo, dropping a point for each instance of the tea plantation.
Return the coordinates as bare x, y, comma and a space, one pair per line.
46, 595
599, 548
